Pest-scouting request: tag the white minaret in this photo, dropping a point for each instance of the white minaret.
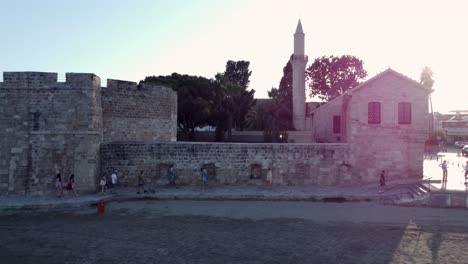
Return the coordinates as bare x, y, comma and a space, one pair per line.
299, 62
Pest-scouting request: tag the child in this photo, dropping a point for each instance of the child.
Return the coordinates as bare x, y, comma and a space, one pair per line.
71, 184
58, 185
103, 184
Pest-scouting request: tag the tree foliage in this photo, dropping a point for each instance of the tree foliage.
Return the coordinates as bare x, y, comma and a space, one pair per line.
275, 114
222, 102
283, 101
427, 81
226, 108
426, 77
330, 77
196, 99
238, 73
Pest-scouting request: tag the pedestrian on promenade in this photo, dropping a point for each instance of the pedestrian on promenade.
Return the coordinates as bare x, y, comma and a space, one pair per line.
141, 183
113, 181
204, 177
444, 167
382, 181
58, 185
269, 177
466, 172
71, 185
172, 176
103, 184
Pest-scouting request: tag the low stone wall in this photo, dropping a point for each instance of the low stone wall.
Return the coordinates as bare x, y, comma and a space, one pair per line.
457, 199
228, 163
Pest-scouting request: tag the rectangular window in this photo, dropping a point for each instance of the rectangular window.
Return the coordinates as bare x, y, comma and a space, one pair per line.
373, 113
404, 113
336, 124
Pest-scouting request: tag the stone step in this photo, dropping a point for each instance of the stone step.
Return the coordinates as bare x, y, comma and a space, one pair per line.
417, 190
425, 187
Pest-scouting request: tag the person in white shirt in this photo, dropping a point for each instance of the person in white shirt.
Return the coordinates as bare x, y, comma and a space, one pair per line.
114, 180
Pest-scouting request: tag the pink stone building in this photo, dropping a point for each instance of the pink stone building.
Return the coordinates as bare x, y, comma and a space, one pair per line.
385, 121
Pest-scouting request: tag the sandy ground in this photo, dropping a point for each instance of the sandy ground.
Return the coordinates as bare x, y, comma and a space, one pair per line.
235, 232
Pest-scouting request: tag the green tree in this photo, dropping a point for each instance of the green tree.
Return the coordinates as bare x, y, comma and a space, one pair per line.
427, 81
226, 108
283, 101
237, 72
276, 113
196, 99
330, 77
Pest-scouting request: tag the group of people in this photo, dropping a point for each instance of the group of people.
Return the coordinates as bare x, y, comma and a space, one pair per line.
444, 167
105, 186
70, 185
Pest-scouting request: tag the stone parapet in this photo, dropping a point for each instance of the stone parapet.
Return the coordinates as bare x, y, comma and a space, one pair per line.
24, 79
229, 163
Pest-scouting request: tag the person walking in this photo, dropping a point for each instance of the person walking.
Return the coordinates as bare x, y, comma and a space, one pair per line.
141, 183
113, 181
382, 181
71, 185
444, 167
103, 184
269, 177
58, 185
172, 176
204, 177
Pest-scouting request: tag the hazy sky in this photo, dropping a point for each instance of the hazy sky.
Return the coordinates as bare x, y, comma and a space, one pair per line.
129, 40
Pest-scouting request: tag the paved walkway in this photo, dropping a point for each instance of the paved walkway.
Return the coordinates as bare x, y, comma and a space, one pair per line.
365, 192
369, 192
456, 163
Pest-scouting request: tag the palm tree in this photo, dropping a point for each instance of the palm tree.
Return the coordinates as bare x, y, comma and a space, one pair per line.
427, 81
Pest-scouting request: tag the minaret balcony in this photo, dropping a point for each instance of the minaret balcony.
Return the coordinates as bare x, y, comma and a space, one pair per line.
299, 58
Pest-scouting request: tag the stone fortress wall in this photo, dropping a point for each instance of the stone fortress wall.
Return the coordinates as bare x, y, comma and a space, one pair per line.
79, 127
229, 163
134, 112
47, 127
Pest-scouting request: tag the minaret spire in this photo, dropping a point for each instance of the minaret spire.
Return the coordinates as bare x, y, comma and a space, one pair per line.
299, 28
299, 62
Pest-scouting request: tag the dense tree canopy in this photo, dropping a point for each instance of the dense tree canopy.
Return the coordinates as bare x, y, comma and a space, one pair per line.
196, 99
330, 77
426, 77
427, 81
238, 73
222, 102
275, 115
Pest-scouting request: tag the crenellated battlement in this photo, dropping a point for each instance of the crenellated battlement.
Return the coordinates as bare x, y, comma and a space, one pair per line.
28, 78
82, 79
121, 85
53, 124
37, 79
127, 87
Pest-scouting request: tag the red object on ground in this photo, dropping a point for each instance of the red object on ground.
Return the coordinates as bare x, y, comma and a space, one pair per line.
100, 207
